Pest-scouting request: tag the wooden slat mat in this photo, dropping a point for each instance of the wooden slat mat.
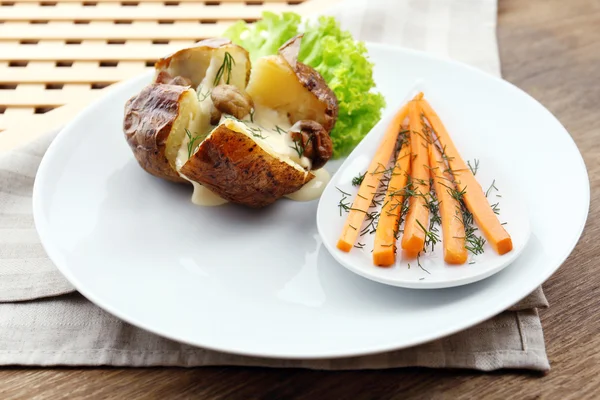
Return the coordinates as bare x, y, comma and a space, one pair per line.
57, 53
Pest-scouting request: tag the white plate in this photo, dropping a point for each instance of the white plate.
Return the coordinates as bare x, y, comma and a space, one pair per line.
429, 271
260, 282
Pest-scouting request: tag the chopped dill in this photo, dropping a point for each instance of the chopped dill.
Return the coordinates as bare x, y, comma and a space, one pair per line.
298, 146
341, 191
343, 204
191, 146
202, 97
419, 263
280, 130
358, 180
492, 186
495, 208
473, 167
473, 243
431, 237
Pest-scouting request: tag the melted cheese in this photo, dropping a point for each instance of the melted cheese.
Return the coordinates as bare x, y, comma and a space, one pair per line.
269, 128
204, 197
272, 128
313, 189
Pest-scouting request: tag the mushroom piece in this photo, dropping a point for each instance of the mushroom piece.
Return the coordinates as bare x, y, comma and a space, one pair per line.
229, 99
215, 115
315, 141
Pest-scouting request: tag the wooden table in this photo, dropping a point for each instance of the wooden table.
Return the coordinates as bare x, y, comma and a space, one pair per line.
551, 49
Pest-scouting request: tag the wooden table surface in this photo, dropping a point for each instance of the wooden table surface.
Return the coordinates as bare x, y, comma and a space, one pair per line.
549, 48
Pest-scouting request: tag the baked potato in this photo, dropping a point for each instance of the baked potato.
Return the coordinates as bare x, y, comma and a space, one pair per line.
204, 60
253, 138
157, 119
232, 163
306, 95
154, 125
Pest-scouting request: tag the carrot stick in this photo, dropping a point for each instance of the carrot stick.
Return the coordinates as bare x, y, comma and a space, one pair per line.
370, 183
384, 250
453, 229
473, 196
417, 217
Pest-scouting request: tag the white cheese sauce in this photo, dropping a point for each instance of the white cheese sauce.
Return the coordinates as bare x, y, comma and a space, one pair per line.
265, 125
202, 196
205, 197
313, 189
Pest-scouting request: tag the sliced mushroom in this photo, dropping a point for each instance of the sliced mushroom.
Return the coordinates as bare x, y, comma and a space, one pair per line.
315, 141
229, 99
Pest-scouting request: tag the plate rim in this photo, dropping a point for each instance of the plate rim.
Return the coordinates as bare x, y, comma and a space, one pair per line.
467, 322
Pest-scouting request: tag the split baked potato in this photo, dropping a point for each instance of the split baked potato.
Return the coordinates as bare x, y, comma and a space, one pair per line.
249, 135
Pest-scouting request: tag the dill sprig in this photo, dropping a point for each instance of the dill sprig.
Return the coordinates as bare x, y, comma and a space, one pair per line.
258, 135
372, 218
496, 208
358, 179
191, 146
280, 130
202, 97
431, 237
492, 186
419, 263
444, 155
254, 130
298, 146
433, 205
473, 167
473, 243
343, 204
225, 69
457, 194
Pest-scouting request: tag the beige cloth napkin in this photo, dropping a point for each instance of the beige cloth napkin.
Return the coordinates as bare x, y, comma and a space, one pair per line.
43, 323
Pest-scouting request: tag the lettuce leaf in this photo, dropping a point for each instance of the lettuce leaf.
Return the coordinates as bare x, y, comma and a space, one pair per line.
340, 59
264, 37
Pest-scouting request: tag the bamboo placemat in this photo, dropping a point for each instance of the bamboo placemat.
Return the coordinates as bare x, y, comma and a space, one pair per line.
64, 52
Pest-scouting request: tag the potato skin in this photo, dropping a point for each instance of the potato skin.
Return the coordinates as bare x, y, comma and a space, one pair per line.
234, 166
314, 82
148, 121
311, 80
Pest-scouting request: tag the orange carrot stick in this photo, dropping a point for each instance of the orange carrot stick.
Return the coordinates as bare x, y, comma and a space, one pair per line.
370, 183
473, 196
453, 229
417, 218
384, 250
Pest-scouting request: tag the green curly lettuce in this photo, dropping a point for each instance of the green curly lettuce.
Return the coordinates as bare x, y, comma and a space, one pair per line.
263, 38
340, 59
